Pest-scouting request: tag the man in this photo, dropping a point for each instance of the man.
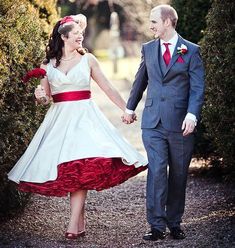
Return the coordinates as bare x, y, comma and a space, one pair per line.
172, 71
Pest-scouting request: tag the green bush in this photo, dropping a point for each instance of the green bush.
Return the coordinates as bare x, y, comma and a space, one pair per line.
24, 27
219, 111
192, 17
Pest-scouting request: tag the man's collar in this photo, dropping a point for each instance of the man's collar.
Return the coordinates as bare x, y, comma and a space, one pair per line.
172, 41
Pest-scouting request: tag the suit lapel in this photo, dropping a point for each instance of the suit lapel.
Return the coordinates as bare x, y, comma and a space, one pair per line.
155, 56
175, 55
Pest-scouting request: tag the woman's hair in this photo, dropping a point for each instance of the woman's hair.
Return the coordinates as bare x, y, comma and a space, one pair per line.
55, 45
167, 11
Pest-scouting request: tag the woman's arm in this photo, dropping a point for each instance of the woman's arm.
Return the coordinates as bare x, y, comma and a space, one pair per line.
104, 84
43, 92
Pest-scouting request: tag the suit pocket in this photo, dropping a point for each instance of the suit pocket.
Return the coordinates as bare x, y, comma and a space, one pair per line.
180, 60
183, 105
148, 102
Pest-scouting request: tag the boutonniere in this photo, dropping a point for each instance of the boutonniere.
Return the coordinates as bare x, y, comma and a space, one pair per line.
182, 49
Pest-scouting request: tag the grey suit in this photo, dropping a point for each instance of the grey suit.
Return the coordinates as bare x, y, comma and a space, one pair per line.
172, 92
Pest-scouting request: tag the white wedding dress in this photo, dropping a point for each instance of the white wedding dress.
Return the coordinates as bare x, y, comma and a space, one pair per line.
74, 131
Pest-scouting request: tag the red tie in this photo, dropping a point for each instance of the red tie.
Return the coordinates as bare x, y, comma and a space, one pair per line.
167, 54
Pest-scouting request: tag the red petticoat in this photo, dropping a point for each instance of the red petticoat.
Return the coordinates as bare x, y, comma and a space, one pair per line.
90, 174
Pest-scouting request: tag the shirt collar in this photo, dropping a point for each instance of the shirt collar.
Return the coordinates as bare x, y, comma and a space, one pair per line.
173, 40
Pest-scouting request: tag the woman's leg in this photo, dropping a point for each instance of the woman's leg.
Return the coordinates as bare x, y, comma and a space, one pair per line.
82, 220
77, 203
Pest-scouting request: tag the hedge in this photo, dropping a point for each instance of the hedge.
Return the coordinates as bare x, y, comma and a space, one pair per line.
218, 48
24, 28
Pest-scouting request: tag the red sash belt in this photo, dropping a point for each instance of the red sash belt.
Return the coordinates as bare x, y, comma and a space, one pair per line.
71, 96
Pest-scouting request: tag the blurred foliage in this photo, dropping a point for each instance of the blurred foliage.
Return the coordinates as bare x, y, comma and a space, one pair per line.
137, 13
24, 27
218, 48
204, 148
192, 18
131, 13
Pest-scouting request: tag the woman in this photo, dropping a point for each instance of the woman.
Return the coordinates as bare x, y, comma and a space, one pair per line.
76, 148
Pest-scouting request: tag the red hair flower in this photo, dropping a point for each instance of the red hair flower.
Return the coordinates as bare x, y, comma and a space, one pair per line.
35, 73
66, 19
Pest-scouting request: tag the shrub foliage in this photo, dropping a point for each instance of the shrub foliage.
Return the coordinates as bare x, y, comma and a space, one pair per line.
24, 27
219, 111
192, 17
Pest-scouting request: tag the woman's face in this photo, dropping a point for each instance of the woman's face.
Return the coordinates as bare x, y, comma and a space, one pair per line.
75, 37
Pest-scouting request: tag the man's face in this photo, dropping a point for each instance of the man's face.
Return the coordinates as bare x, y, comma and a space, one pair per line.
157, 26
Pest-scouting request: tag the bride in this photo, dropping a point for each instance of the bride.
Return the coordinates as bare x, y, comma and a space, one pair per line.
76, 148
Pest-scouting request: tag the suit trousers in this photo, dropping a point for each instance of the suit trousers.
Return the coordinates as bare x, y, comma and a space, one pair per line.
169, 154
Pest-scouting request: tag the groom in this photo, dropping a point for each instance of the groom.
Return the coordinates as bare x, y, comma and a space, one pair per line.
172, 71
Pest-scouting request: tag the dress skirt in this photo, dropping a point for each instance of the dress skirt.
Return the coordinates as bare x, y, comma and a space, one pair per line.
75, 148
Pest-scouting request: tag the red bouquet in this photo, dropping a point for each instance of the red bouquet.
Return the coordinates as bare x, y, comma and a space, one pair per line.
35, 73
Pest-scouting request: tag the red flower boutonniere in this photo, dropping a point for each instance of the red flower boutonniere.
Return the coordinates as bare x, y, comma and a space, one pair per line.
34, 73
182, 49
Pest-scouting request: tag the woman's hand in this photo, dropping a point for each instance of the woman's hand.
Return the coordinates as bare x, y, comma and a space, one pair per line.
40, 95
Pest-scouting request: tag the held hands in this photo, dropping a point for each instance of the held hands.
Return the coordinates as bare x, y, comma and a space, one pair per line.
188, 126
128, 118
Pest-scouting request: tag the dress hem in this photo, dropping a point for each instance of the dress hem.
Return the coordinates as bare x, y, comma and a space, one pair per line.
84, 174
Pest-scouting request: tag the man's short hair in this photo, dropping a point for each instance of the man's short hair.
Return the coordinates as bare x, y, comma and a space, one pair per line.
167, 11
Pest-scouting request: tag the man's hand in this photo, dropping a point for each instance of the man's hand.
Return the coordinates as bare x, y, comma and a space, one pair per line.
188, 126
129, 118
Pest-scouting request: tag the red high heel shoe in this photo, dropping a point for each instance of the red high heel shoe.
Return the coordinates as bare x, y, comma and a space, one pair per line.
69, 235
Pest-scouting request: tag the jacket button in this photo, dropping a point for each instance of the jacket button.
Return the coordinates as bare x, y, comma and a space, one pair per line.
163, 99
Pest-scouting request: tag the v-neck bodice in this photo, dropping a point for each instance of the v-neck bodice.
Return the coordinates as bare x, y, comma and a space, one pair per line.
77, 78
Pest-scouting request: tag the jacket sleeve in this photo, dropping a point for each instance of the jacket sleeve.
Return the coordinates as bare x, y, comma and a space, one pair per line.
197, 84
139, 85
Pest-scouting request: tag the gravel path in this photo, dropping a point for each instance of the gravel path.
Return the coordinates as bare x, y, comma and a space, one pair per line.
116, 217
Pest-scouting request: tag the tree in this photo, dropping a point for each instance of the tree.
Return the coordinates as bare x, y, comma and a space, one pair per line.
192, 17
24, 29
219, 111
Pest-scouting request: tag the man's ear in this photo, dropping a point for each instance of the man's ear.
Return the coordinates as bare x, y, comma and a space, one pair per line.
168, 22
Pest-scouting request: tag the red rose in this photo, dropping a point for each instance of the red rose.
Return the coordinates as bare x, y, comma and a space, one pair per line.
35, 73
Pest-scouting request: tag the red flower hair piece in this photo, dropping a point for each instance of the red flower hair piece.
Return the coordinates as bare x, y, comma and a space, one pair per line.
66, 19
35, 73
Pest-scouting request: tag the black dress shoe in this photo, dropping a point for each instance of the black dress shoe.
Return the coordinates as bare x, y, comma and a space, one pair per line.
177, 233
154, 235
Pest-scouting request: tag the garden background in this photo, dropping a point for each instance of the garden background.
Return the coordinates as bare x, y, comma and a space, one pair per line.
25, 27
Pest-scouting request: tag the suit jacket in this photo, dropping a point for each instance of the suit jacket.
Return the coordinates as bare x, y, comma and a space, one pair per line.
171, 92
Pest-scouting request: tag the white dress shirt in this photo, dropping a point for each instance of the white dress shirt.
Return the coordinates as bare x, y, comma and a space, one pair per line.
173, 41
